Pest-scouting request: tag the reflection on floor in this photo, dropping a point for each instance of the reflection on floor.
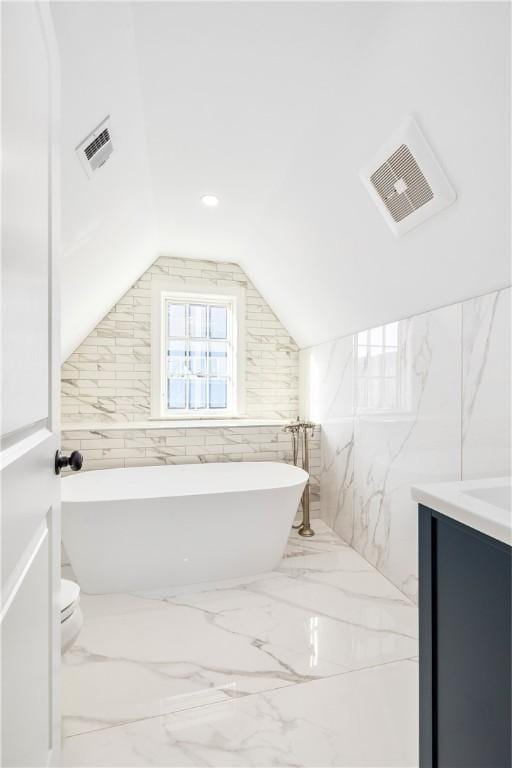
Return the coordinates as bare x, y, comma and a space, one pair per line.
311, 665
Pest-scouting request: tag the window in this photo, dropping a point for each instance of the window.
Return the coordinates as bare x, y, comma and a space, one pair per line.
378, 369
199, 355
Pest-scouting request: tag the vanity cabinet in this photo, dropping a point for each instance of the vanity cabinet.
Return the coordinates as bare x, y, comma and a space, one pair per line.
465, 645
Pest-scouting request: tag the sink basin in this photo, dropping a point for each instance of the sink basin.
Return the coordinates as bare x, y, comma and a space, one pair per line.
484, 505
499, 496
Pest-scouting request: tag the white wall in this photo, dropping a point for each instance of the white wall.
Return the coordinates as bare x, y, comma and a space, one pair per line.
108, 227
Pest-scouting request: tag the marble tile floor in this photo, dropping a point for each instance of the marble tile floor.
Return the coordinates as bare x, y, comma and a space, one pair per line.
313, 664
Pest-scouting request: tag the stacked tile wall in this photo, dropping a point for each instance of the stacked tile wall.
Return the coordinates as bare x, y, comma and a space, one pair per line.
143, 446
106, 385
108, 377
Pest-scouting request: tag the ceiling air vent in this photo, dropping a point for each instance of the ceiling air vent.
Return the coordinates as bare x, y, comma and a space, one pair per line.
406, 181
96, 148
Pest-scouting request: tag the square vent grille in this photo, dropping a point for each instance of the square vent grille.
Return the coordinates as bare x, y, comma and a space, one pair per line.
96, 148
406, 181
401, 184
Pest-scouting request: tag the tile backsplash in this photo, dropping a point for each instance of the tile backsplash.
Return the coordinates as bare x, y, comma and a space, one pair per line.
422, 400
139, 446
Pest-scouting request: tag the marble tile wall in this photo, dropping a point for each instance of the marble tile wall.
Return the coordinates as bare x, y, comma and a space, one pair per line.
487, 390
330, 403
138, 447
107, 378
434, 405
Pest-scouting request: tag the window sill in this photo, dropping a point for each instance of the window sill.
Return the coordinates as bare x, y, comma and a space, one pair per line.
204, 423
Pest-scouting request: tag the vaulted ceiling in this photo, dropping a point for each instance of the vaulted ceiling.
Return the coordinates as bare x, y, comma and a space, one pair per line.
274, 107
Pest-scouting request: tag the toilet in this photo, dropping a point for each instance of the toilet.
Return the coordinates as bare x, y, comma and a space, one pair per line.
71, 618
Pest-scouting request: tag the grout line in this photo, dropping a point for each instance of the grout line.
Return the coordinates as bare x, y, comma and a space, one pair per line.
243, 697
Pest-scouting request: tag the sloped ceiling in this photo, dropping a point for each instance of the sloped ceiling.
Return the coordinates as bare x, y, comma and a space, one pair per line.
274, 107
108, 222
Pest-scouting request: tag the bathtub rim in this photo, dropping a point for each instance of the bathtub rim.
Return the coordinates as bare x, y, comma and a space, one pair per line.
301, 478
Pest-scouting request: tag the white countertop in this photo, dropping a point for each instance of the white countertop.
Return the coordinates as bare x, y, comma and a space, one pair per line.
485, 505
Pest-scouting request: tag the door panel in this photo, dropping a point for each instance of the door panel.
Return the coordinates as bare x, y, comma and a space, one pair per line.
26, 686
25, 126
22, 511
30, 510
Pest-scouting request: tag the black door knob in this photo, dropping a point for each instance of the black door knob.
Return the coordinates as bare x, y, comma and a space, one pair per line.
74, 461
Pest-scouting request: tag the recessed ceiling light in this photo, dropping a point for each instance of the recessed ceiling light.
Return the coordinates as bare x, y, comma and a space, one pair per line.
210, 200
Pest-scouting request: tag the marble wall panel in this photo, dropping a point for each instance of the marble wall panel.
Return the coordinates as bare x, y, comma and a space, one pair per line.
432, 405
486, 385
331, 370
417, 440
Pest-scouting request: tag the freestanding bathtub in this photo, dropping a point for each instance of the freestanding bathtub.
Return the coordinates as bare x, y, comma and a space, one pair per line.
170, 526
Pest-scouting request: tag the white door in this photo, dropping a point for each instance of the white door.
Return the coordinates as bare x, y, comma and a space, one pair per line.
30, 513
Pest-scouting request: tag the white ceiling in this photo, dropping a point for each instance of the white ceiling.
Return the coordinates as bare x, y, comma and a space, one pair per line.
274, 107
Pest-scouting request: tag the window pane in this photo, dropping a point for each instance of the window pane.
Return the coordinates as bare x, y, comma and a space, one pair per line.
218, 393
176, 358
197, 393
218, 358
176, 393
198, 357
218, 323
176, 319
197, 320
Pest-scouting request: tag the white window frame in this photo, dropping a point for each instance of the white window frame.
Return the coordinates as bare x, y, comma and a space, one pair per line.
164, 290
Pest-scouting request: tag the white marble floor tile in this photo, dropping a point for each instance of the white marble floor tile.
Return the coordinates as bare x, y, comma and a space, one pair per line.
319, 615
149, 662
331, 607
365, 718
324, 540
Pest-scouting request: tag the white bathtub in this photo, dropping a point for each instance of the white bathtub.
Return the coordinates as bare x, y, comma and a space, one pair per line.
170, 526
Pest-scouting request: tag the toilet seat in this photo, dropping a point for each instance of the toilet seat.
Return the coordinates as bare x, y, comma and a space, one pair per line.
69, 595
64, 615
71, 618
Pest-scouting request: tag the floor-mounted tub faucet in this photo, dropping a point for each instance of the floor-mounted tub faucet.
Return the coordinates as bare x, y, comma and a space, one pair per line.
300, 434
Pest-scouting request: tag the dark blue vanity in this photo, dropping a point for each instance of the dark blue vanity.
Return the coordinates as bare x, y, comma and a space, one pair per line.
465, 644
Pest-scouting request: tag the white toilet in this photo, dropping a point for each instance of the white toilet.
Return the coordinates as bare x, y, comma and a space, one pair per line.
71, 618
